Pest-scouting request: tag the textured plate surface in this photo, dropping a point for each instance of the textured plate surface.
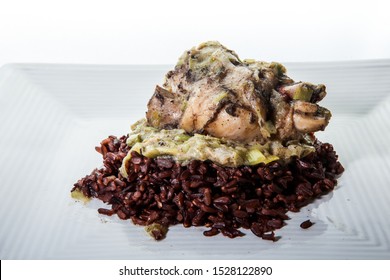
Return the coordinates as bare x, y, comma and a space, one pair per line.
52, 117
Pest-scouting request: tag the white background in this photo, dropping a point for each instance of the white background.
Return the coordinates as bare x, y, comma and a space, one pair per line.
157, 32
281, 270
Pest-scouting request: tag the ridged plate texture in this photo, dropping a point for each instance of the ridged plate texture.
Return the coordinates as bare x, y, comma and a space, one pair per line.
52, 117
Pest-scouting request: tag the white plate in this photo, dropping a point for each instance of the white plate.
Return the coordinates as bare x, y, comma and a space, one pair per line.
52, 116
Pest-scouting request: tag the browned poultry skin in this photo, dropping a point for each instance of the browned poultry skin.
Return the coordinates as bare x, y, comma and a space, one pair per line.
211, 91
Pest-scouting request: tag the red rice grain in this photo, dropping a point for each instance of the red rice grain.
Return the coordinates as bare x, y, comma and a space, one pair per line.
224, 199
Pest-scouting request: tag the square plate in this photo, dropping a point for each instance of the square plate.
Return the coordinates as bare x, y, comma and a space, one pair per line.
52, 117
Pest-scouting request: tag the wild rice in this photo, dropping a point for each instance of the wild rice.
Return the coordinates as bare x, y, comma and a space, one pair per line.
224, 199
306, 224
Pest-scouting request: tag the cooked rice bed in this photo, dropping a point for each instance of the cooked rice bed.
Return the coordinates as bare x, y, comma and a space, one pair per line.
224, 199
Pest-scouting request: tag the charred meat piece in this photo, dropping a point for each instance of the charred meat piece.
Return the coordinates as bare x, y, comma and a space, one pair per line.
165, 109
211, 91
303, 91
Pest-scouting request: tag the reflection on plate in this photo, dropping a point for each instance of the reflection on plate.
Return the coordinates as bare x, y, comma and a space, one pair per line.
52, 116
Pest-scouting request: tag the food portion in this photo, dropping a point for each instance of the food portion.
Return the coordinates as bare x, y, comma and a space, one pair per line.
183, 147
211, 91
226, 144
